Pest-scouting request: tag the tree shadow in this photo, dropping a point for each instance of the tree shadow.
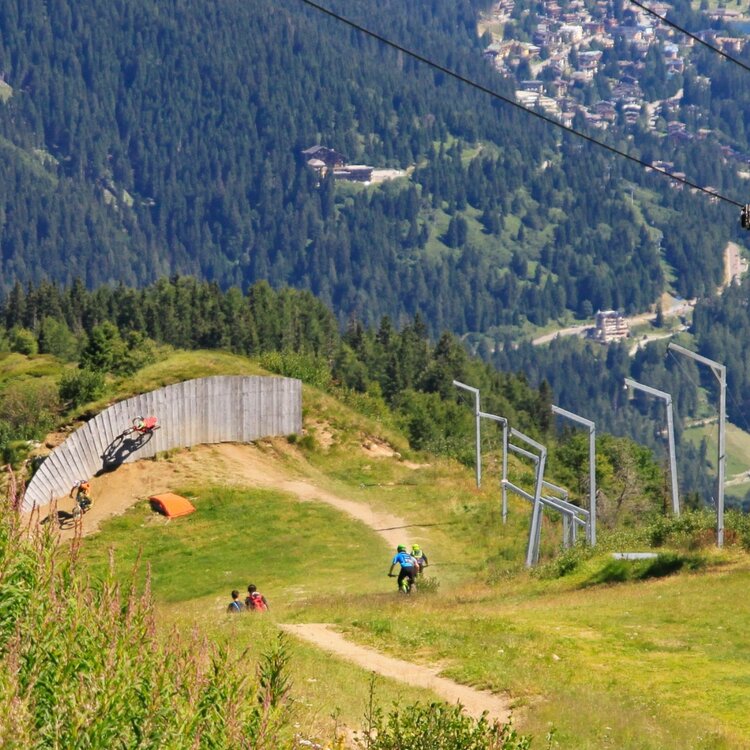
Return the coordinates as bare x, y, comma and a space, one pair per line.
120, 448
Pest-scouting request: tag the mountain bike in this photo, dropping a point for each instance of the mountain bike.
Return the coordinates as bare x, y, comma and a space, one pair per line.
407, 584
81, 507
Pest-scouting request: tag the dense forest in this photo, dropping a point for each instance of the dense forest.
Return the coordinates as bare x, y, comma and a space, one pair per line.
156, 138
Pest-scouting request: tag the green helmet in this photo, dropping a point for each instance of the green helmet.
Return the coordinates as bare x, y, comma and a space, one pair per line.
401, 548
415, 548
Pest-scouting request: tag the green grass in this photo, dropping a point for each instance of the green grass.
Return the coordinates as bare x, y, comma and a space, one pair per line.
625, 665
299, 555
18, 366
643, 663
737, 446
182, 365
173, 367
649, 655
238, 536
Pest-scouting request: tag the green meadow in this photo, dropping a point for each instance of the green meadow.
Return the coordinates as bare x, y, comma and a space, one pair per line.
590, 651
591, 659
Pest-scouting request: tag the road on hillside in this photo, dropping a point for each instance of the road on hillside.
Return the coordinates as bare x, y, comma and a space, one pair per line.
678, 307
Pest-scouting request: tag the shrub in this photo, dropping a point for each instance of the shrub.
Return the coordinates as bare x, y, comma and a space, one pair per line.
29, 408
437, 727
428, 585
308, 368
371, 403
107, 351
565, 563
617, 571
56, 338
80, 387
23, 341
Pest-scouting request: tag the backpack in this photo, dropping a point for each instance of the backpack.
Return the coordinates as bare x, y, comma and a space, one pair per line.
255, 602
234, 607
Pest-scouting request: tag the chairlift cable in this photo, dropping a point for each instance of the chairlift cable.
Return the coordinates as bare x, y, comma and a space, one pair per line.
484, 89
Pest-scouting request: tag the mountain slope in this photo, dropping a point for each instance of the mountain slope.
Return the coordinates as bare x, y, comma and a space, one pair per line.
162, 138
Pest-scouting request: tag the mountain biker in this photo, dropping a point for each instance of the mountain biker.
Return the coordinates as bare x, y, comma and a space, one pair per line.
82, 491
409, 566
144, 424
255, 601
418, 554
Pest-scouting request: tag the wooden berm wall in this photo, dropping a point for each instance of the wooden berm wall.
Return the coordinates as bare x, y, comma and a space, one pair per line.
207, 410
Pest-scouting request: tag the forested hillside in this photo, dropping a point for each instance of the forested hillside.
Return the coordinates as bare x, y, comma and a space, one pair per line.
588, 379
151, 138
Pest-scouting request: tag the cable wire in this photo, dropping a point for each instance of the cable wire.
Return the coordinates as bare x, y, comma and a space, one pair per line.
496, 95
692, 36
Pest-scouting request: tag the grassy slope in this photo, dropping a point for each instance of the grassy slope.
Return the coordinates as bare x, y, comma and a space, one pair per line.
651, 665
737, 447
19, 367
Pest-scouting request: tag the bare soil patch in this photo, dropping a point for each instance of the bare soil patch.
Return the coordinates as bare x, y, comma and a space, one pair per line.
227, 463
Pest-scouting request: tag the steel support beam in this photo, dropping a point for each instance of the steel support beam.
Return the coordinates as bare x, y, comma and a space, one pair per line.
667, 398
720, 373
591, 531
532, 552
478, 428
503, 491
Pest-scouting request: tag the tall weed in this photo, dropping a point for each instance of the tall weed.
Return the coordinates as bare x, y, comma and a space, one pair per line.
81, 665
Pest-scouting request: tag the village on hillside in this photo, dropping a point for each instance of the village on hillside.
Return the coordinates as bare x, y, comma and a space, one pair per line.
579, 59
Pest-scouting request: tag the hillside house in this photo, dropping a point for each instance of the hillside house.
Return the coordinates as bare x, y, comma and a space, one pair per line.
537, 86
610, 326
571, 33
328, 156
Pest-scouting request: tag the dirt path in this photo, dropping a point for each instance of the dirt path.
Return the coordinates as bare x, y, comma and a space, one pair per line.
264, 473
272, 466
227, 463
475, 702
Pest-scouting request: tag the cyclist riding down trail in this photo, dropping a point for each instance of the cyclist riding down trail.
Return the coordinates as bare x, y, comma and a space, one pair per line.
144, 424
408, 565
81, 490
419, 555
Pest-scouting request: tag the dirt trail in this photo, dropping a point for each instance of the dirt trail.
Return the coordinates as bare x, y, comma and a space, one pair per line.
227, 463
475, 702
272, 466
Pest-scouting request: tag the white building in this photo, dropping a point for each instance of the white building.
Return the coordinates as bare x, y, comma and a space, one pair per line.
610, 326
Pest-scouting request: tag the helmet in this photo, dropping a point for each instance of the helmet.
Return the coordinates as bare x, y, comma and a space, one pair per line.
401, 548
415, 548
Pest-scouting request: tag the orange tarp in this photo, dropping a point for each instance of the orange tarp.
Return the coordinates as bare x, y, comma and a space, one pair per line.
171, 505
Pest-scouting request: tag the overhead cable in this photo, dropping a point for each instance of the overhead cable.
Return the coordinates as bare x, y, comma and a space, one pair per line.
512, 102
718, 51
